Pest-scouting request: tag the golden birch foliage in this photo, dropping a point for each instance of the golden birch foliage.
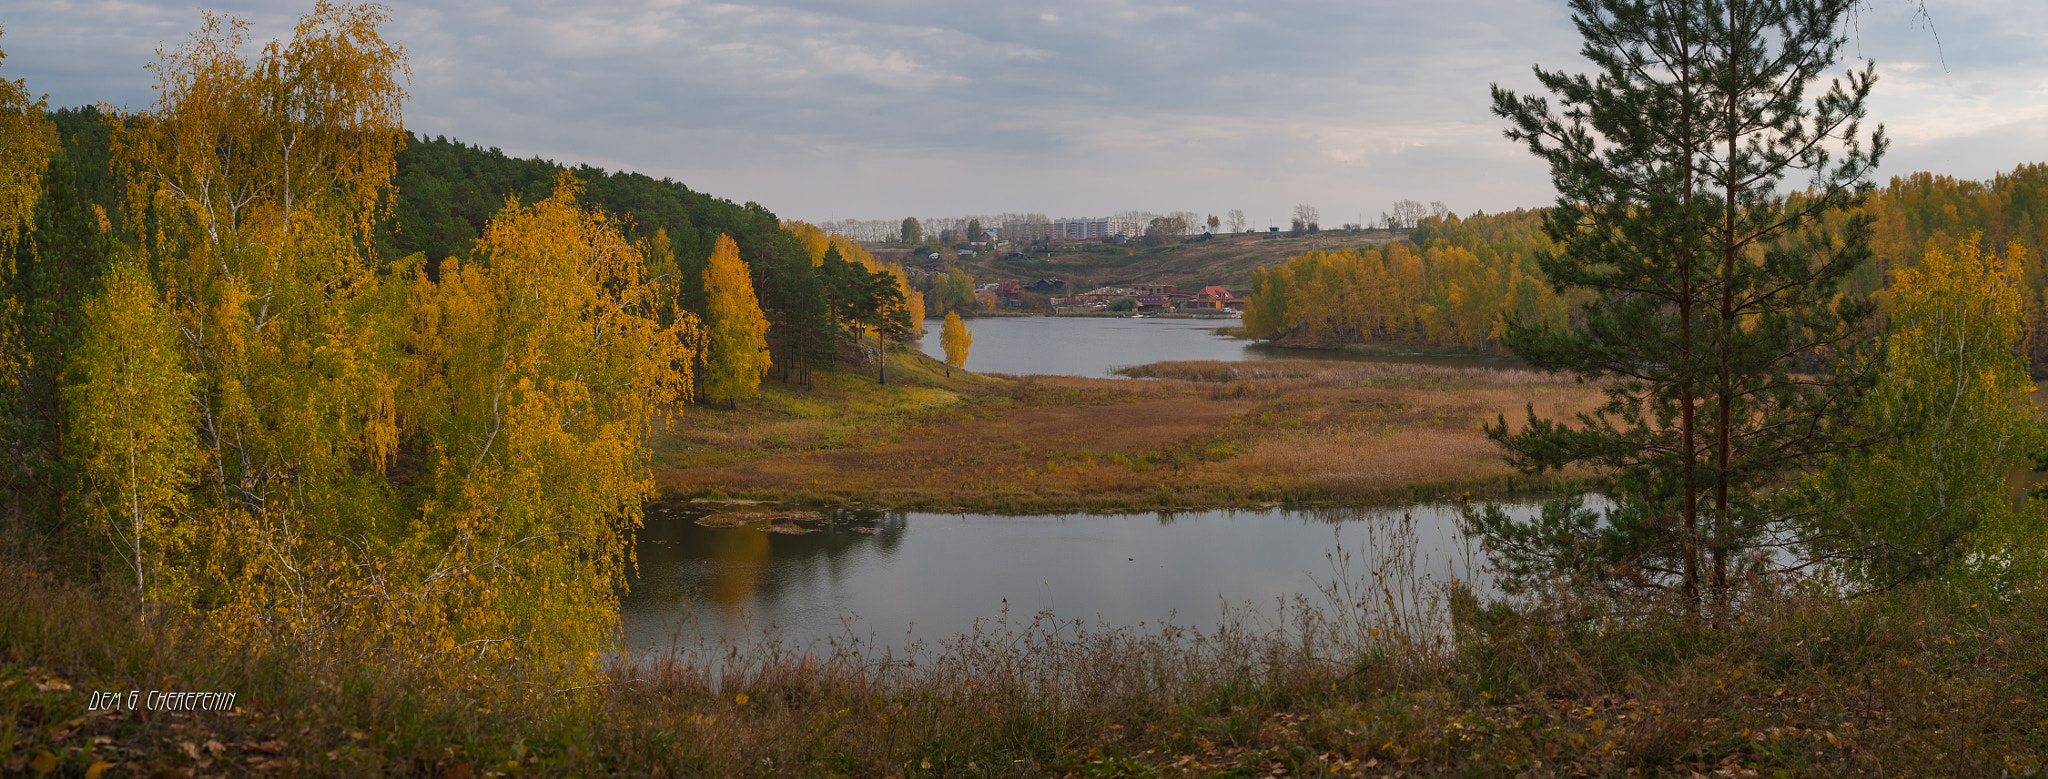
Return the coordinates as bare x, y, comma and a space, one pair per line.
255, 184
956, 339
26, 142
736, 332
232, 143
131, 426
813, 239
1952, 374
913, 302
540, 372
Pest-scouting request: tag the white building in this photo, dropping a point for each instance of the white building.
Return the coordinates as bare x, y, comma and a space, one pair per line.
1084, 229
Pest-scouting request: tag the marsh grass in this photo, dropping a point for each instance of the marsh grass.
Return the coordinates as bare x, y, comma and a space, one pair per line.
1190, 434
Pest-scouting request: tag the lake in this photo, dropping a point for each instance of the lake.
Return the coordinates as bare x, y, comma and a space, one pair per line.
898, 576
1097, 346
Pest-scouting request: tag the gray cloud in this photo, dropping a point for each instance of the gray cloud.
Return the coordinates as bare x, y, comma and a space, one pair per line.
822, 108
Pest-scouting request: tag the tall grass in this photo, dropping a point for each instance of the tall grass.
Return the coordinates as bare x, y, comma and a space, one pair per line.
1924, 681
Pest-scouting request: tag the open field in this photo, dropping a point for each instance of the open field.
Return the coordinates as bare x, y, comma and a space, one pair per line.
1190, 434
1226, 260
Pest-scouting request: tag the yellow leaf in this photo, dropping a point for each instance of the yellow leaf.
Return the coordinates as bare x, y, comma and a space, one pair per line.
98, 767
43, 763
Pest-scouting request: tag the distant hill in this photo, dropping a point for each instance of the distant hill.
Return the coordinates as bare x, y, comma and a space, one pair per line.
1226, 260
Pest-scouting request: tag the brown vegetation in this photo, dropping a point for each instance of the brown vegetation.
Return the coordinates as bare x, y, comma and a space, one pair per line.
1915, 683
1191, 434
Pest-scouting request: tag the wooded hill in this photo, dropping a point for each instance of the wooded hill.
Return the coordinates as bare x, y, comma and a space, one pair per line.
1448, 284
446, 192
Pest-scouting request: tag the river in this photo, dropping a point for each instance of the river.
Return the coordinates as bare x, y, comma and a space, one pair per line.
888, 578
898, 576
1097, 346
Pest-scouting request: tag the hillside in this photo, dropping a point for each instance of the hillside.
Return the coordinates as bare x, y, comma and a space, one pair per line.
1226, 260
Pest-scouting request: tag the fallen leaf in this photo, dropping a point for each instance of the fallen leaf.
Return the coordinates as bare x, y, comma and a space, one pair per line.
191, 749
54, 684
215, 747
98, 767
43, 763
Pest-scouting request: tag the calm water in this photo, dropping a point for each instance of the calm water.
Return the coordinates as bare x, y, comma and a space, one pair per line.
889, 575
1096, 346
932, 575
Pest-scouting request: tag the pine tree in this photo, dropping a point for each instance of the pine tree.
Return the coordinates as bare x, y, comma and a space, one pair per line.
1732, 362
736, 334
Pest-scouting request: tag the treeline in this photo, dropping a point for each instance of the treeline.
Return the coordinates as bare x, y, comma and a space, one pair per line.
338, 392
445, 193
1449, 284
1446, 287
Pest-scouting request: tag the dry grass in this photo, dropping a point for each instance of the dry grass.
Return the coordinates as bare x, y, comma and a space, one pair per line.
1189, 434
1921, 683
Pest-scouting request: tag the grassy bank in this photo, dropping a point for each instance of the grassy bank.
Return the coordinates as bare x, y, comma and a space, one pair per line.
1192, 434
1923, 682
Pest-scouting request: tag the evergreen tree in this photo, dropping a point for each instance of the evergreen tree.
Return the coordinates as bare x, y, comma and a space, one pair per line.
1709, 289
912, 233
801, 328
57, 266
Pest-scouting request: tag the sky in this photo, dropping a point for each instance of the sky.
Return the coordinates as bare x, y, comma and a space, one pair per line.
880, 109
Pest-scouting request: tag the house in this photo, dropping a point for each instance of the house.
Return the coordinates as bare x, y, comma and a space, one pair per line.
1213, 298
1010, 292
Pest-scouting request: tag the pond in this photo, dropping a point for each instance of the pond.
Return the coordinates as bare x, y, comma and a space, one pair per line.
888, 578
1097, 346
895, 576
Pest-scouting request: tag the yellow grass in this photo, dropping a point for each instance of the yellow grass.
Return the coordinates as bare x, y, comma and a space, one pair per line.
1200, 433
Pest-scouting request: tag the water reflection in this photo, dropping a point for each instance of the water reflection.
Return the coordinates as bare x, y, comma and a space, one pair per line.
1097, 346
894, 574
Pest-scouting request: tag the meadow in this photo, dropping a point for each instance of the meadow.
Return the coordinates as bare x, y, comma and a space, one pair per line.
1186, 434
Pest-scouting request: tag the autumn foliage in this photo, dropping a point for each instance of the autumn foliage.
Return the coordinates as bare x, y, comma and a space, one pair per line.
736, 345
1451, 293
956, 339
316, 449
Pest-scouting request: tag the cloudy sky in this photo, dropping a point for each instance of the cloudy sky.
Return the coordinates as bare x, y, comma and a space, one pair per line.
877, 109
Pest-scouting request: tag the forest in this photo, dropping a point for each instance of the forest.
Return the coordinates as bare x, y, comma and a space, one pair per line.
329, 387
1457, 277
